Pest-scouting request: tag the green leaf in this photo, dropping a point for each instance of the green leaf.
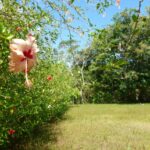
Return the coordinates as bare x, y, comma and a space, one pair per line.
98, 6
1, 61
4, 30
10, 37
91, 25
134, 18
71, 1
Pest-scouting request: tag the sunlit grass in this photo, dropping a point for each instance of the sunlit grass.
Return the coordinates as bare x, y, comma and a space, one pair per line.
98, 127
105, 127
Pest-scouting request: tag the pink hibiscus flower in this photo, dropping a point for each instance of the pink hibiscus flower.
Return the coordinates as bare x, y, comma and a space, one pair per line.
23, 55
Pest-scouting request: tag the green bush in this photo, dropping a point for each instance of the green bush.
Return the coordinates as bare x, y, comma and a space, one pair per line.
23, 109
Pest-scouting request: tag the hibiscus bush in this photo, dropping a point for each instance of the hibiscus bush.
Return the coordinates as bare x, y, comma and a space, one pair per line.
21, 108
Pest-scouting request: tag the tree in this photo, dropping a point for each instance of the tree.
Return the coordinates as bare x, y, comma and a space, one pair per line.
120, 67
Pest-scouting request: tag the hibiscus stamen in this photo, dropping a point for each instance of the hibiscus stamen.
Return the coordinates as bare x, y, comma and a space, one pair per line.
26, 72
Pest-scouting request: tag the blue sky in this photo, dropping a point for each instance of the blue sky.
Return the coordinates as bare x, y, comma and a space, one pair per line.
100, 20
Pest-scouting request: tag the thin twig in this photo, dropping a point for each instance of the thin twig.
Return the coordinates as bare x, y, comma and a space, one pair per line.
135, 26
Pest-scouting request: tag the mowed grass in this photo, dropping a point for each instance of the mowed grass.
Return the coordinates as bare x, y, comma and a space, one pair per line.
96, 127
104, 127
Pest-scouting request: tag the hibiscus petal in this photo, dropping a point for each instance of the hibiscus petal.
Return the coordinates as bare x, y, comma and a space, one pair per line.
18, 44
17, 66
35, 48
30, 38
31, 63
17, 52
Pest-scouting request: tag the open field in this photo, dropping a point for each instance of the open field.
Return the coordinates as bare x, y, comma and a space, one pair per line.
100, 127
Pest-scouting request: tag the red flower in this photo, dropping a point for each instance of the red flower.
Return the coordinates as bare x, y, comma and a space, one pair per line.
49, 78
11, 132
18, 29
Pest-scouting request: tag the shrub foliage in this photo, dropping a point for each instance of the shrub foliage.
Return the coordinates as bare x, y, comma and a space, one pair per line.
21, 108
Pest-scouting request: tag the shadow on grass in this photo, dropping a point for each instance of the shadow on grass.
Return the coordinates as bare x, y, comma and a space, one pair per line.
41, 139
43, 136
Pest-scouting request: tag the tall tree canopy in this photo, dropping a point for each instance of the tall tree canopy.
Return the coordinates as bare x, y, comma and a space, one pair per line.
119, 68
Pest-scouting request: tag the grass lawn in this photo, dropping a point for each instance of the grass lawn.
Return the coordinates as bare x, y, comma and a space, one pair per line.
99, 127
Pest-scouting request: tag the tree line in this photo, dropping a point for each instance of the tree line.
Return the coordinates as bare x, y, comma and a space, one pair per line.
116, 65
